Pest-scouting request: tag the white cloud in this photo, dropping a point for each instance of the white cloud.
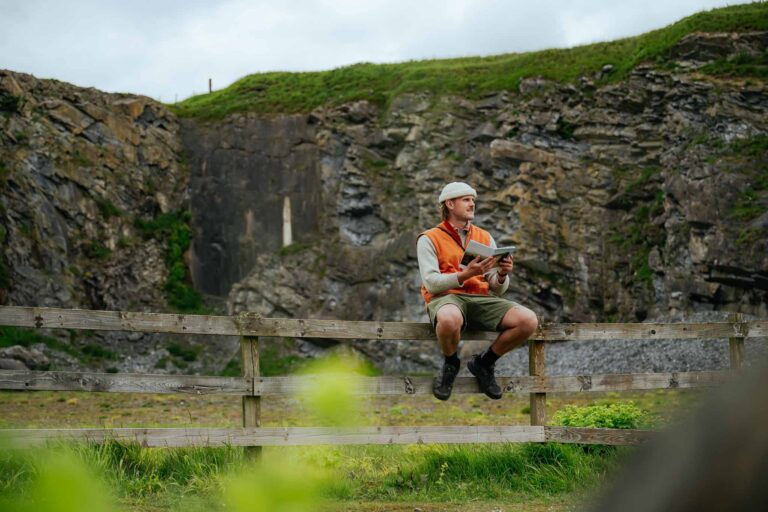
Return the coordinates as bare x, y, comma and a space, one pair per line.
166, 49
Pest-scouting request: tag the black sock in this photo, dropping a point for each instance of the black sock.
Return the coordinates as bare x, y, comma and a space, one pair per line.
489, 358
453, 360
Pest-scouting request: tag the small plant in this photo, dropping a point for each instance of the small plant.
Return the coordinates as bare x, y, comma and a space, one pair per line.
81, 160
185, 353
294, 248
96, 251
232, 369
613, 415
107, 208
4, 172
9, 103
565, 129
126, 241
98, 352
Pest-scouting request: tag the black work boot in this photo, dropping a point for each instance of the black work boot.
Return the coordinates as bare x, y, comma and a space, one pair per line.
485, 378
442, 385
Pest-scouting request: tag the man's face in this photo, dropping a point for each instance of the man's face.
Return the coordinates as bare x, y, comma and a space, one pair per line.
462, 208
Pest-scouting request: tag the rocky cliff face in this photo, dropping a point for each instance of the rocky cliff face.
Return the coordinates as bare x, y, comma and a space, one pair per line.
626, 201
86, 180
639, 199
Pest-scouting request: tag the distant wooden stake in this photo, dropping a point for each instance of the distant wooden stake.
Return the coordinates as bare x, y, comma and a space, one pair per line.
736, 343
210, 85
249, 350
536, 368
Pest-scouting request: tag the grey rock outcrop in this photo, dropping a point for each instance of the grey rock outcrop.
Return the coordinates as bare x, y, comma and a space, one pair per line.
30, 358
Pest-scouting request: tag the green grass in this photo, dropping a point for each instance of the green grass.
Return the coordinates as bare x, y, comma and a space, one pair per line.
176, 478
10, 336
751, 158
469, 77
107, 208
90, 353
741, 66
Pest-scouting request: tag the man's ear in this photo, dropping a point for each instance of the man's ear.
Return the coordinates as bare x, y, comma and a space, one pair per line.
450, 204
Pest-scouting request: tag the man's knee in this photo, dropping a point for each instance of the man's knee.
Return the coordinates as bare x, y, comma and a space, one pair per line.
449, 317
529, 322
521, 318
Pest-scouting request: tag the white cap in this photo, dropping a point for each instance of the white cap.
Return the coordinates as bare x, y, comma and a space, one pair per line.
456, 189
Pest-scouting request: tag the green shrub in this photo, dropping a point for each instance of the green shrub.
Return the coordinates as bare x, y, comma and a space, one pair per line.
107, 208
96, 251
616, 415
174, 229
5, 275
9, 103
98, 352
186, 353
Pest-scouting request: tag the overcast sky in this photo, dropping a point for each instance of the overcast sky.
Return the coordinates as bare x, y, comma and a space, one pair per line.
168, 49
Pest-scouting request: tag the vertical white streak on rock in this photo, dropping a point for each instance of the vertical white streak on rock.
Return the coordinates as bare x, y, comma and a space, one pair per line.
287, 235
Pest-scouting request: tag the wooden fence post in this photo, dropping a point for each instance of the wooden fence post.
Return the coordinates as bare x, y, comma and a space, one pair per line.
249, 350
536, 368
736, 343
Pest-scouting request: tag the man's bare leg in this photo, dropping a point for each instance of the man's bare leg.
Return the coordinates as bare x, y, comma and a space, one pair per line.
448, 329
449, 321
518, 324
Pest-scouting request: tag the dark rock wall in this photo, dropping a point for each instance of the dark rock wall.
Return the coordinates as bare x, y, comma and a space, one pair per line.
242, 172
79, 166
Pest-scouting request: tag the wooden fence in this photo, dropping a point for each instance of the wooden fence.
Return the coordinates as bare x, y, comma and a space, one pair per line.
252, 386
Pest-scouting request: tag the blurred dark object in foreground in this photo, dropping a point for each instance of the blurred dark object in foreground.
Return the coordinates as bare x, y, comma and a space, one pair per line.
716, 460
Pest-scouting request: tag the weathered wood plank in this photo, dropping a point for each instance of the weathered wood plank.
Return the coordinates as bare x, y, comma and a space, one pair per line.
536, 367
283, 436
393, 385
596, 435
253, 325
736, 345
123, 382
55, 318
389, 385
249, 354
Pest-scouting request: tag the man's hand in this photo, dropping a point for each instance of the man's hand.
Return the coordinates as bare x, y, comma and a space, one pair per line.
505, 267
477, 267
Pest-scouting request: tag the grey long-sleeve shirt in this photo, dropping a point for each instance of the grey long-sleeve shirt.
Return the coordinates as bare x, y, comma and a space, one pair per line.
435, 282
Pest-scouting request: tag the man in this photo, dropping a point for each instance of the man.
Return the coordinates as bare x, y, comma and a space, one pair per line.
459, 297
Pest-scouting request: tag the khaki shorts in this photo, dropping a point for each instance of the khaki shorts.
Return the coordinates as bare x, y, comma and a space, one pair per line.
481, 312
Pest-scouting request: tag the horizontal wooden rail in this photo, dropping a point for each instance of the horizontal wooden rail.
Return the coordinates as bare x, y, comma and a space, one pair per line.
248, 324
390, 385
299, 436
123, 383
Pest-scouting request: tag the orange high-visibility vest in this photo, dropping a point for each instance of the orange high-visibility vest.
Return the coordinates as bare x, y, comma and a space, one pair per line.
449, 251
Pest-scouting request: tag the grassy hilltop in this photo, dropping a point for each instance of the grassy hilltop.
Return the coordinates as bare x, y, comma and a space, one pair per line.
282, 92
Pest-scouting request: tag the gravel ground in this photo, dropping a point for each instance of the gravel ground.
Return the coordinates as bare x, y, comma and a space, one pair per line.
637, 356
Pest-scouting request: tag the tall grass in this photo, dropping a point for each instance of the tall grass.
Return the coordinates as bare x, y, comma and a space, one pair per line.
471, 77
173, 478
